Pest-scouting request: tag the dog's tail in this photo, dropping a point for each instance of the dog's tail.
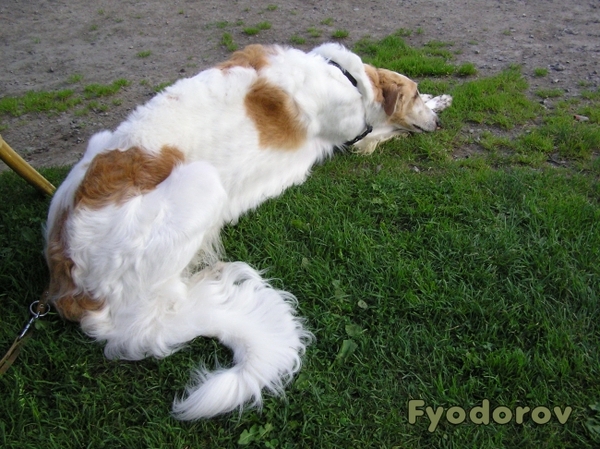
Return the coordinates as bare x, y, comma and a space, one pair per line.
234, 304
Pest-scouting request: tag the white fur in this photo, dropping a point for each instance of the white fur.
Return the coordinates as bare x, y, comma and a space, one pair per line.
139, 256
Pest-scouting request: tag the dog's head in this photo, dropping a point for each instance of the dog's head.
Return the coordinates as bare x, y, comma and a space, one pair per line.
402, 110
403, 104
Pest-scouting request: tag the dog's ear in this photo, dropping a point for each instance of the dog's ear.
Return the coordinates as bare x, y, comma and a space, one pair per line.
391, 95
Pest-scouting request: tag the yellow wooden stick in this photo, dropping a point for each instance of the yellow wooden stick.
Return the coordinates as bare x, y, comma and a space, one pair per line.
23, 169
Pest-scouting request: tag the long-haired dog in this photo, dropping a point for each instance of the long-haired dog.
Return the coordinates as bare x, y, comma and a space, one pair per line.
132, 239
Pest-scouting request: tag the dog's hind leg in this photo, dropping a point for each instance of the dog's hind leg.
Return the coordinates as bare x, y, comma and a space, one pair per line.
153, 307
137, 264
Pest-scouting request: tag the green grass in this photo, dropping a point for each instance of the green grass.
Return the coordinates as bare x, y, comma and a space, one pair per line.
393, 53
591, 95
161, 86
467, 69
228, 43
144, 54
498, 100
540, 72
550, 93
75, 78
340, 34
422, 276
297, 40
452, 286
83, 100
41, 102
262, 26
314, 32
102, 90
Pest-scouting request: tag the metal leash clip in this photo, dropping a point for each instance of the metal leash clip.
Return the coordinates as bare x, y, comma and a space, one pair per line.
35, 314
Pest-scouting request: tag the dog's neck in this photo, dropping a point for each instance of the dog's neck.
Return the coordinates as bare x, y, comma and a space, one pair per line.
345, 72
352, 80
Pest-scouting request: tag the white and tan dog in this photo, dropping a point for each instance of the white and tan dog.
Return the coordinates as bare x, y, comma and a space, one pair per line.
140, 214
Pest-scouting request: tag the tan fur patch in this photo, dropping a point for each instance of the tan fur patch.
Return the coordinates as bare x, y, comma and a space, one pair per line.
111, 178
115, 176
62, 292
374, 78
275, 115
254, 56
394, 91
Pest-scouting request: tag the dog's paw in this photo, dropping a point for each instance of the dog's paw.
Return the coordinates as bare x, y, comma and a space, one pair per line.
425, 97
439, 103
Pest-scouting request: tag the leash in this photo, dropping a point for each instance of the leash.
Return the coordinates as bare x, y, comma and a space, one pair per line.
38, 309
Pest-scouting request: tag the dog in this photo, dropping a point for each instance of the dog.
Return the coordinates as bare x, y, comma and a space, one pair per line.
132, 236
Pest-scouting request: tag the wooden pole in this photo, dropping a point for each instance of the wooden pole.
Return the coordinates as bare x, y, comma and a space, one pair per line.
23, 169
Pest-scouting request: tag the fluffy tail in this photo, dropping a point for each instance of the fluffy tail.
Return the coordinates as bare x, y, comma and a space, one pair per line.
234, 304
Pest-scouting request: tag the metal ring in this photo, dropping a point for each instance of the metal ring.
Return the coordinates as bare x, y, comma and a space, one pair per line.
39, 314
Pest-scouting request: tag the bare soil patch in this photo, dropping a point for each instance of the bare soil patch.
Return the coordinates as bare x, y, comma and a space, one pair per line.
44, 43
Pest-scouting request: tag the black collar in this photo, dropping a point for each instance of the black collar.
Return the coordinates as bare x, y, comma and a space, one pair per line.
360, 136
345, 72
355, 84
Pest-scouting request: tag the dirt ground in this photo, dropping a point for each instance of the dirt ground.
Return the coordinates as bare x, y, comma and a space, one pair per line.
44, 43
